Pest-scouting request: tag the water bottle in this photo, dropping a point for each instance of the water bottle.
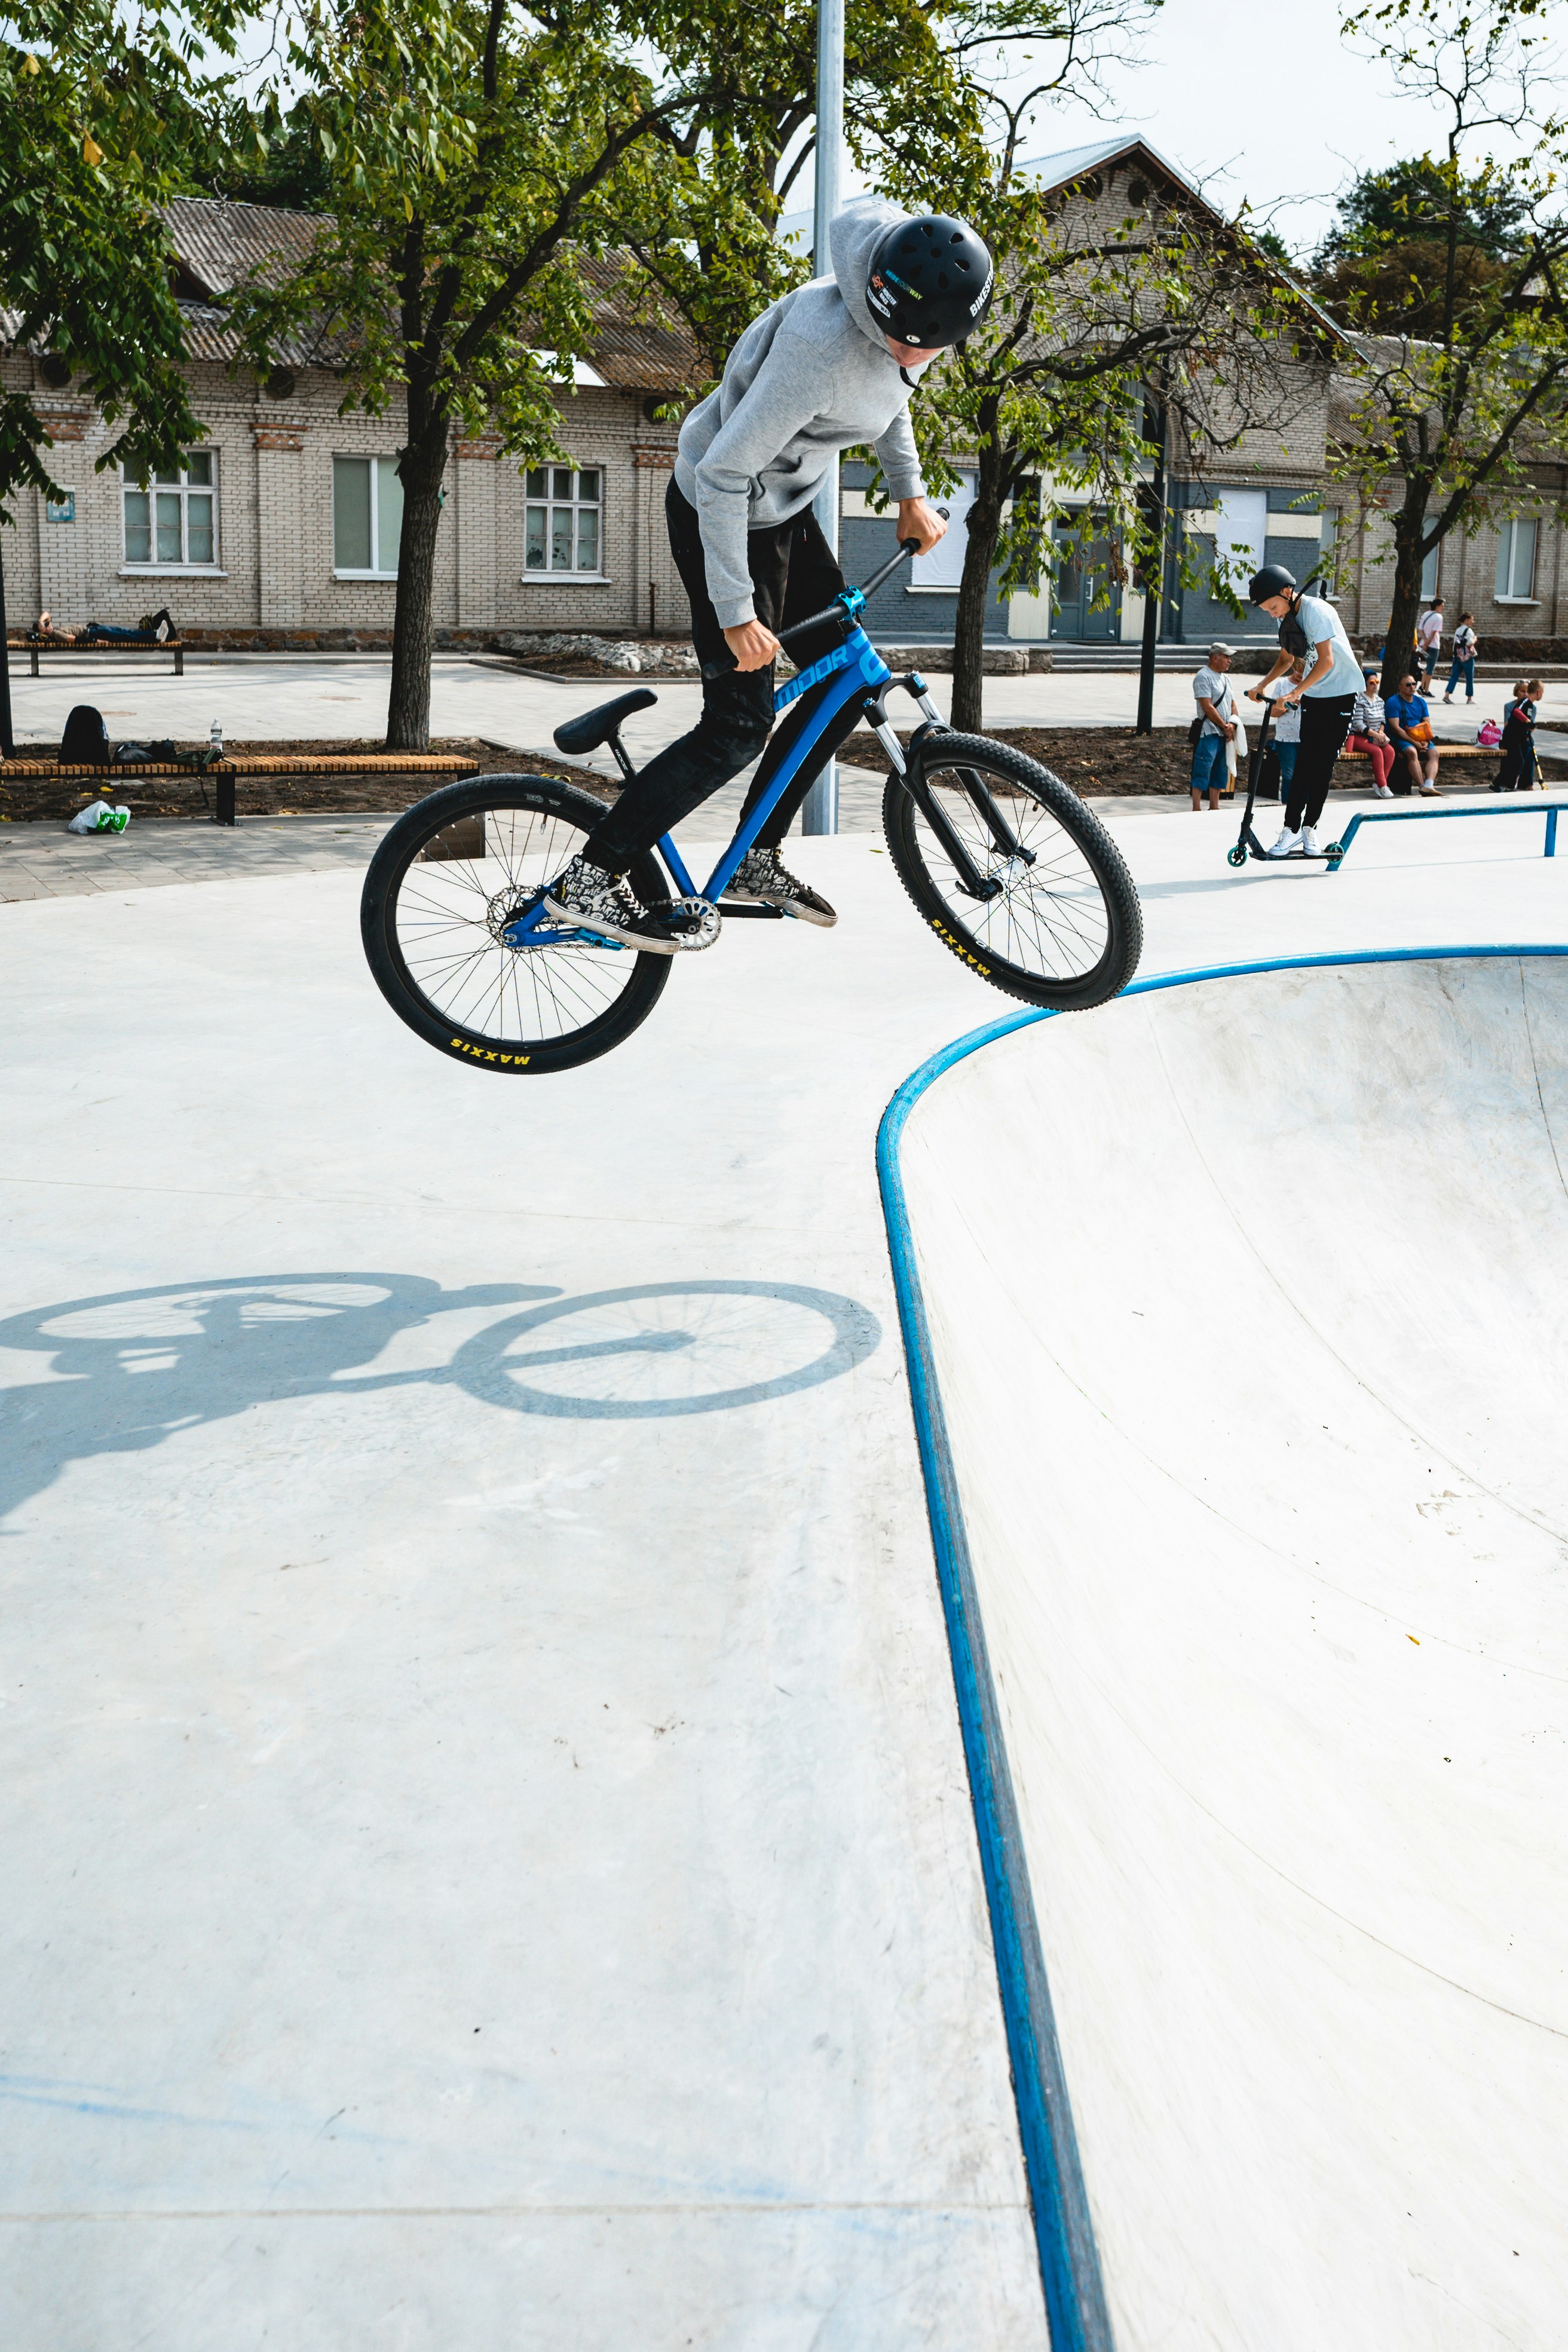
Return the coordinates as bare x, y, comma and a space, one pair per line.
214, 738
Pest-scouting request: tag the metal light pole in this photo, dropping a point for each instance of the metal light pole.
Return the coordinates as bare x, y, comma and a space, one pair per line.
820, 813
1154, 583
7, 739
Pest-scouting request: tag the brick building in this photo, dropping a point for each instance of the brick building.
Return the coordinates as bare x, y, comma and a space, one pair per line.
1511, 572
282, 528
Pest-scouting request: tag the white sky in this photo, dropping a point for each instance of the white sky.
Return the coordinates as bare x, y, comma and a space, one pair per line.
1278, 110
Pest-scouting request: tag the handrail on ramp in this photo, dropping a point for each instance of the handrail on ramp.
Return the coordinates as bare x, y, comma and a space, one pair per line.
1337, 851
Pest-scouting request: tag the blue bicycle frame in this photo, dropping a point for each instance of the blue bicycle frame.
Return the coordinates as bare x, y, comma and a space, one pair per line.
845, 675
849, 674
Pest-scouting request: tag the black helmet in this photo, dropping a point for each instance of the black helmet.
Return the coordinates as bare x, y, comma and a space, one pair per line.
931, 282
1272, 581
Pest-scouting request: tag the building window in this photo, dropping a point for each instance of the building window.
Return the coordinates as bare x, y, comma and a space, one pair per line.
172, 522
1516, 563
367, 518
942, 568
1429, 573
565, 530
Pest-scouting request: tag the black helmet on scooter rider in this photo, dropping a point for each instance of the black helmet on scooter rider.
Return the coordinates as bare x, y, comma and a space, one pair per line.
1272, 581
931, 282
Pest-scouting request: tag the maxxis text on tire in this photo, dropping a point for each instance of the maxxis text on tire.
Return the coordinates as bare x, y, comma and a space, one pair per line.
1071, 847
554, 816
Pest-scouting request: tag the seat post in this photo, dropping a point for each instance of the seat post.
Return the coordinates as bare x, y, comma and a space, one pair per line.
618, 747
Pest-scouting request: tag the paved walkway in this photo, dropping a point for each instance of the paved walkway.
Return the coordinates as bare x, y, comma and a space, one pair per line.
259, 696
46, 861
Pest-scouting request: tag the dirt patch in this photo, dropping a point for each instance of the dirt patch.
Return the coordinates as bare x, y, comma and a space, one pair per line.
28, 800
1091, 759
1116, 763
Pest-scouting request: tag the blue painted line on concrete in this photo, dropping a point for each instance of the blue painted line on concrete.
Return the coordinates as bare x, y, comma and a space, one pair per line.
1070, 2276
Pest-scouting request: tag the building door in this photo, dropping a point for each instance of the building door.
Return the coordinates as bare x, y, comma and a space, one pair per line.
1086, 601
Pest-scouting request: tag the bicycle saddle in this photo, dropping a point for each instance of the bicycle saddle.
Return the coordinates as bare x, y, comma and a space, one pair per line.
596, 727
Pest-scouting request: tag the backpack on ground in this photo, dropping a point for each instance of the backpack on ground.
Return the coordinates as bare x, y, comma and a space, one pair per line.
85, 738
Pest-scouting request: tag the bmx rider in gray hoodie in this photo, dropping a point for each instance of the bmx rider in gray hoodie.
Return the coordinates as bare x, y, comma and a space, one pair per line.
824, 370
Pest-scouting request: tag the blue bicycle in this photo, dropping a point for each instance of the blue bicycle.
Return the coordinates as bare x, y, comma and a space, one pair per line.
1002, 859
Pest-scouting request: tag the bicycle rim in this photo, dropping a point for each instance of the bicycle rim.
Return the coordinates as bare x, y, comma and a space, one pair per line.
460, 878
1064, 927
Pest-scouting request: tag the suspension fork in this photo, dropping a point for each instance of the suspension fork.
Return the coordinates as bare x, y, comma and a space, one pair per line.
991, 817
975, 883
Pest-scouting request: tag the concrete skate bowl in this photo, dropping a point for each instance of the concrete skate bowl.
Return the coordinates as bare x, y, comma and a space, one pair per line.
1237, 1322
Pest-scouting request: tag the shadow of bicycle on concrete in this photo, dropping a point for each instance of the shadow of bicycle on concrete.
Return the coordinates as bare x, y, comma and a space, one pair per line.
120, 1372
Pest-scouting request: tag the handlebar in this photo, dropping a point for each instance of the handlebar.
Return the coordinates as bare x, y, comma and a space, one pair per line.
853, 600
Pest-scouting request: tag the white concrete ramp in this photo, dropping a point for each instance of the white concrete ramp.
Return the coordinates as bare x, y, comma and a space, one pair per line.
1249, 1301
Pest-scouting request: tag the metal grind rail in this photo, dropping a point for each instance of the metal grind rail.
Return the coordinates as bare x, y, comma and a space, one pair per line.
1338, 851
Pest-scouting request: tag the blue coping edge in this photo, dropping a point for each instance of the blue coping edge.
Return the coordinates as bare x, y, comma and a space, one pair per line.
1070, 2276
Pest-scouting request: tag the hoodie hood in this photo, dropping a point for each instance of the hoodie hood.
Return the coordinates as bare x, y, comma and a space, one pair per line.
809, 379
853, 236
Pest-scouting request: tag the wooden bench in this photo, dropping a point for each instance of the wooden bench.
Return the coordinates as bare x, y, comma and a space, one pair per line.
36, 646
226, 774
1445, 752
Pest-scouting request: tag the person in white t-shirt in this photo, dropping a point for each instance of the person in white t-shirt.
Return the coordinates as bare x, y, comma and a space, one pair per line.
1429, 635
1311, 631
1286, 730
1463, 665
1215, 724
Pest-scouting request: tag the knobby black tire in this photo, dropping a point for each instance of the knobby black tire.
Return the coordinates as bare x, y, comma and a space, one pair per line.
483, 1035
982, 933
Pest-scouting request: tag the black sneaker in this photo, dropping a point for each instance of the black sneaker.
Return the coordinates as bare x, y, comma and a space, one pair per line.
586, 895
760, 876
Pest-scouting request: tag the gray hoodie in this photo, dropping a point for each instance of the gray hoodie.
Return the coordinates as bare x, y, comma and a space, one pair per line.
811, 377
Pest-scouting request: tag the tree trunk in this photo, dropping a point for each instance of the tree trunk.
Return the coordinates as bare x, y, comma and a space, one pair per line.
1409, 529
985, 525
7, 741
409, 705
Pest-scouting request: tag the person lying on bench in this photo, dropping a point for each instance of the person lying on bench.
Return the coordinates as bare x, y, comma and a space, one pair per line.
150, 629
43, 626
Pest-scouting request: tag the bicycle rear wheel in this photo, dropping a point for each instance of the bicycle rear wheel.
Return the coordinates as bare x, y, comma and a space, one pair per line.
453, 872
1061, 925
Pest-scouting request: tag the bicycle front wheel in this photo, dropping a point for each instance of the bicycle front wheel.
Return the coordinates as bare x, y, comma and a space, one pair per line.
452, 874
1056, 919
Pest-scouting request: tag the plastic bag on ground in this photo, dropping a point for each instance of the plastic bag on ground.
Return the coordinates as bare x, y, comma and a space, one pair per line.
99, 817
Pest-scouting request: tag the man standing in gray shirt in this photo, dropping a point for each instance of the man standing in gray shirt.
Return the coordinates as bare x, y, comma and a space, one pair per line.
824, 370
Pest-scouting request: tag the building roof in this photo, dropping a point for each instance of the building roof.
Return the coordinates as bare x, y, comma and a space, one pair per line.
636, 347
219, 245
1070, 163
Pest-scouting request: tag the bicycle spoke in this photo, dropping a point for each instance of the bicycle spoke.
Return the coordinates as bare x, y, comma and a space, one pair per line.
1050, 918
451, 911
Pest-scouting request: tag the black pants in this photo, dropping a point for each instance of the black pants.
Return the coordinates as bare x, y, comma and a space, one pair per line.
794, 574
1325, 723
1516, 770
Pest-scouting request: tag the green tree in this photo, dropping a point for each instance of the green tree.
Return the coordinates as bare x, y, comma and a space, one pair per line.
98, 122
1100, 300
1413, 238
472, 156
1461, 382
284, 168
707, 232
